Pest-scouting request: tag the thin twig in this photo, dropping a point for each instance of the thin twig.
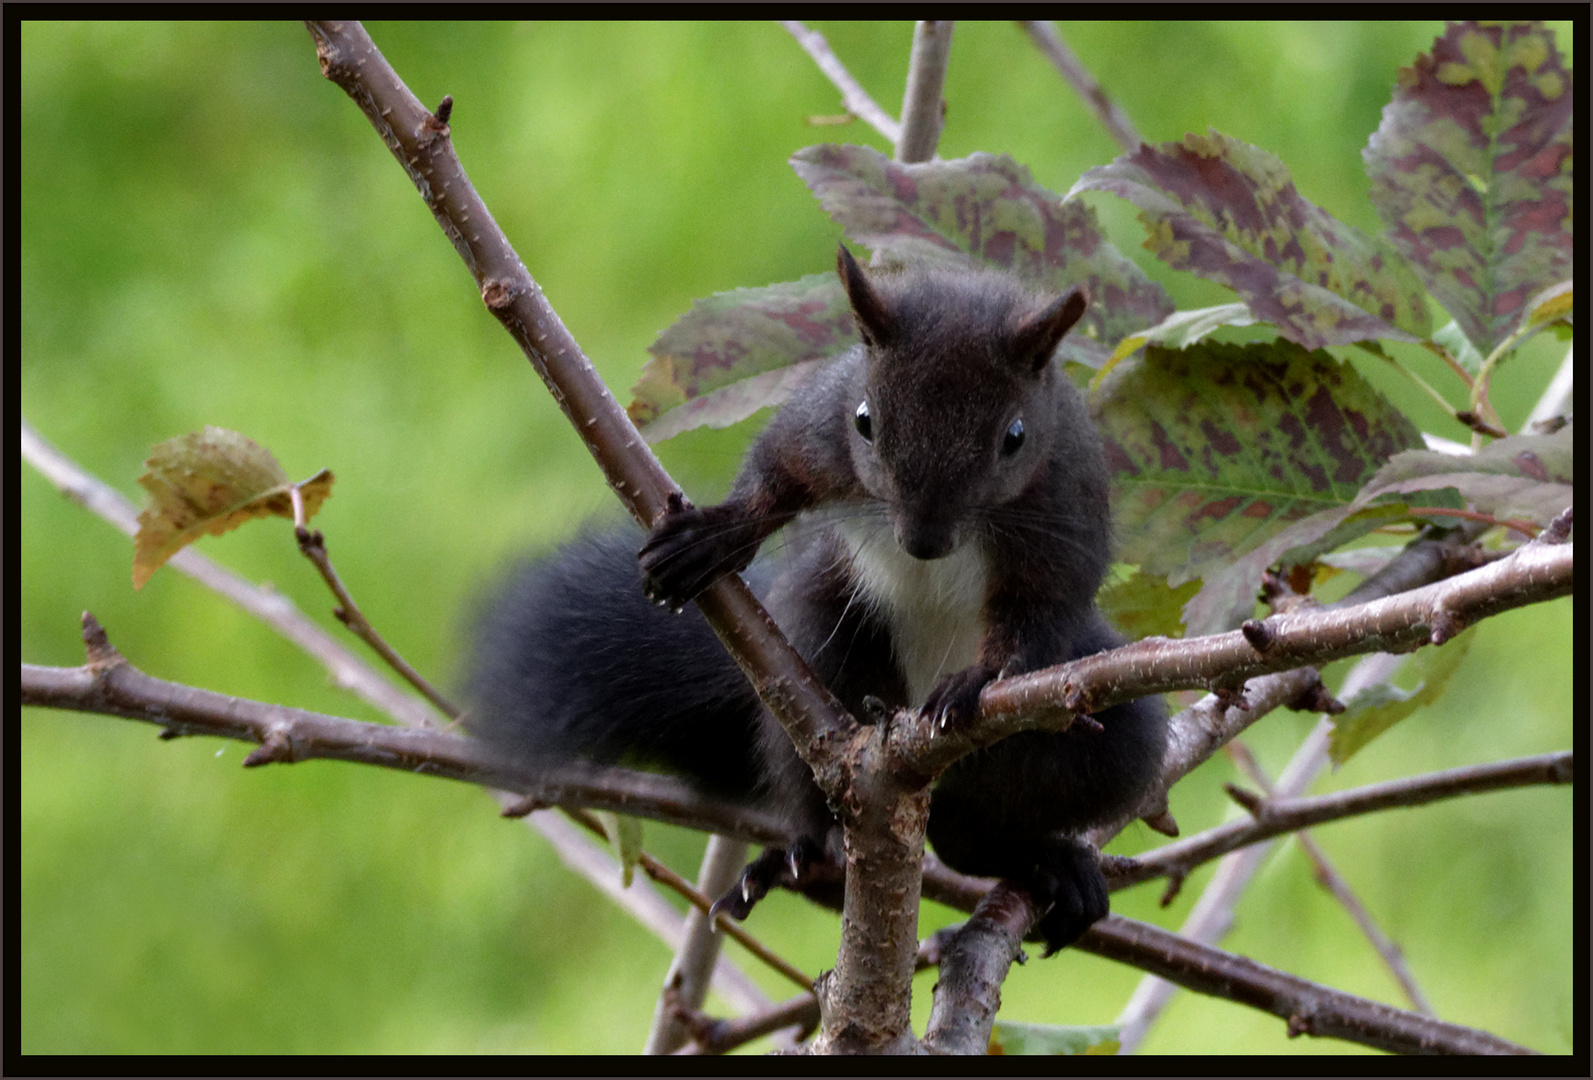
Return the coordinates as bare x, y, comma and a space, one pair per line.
853, 96
1212, 916
114, 687
254, 721
1279, 815
686, 984
643, 903
1309, 1008
659, 872
1109, 112
313, 545
1328, 876
703, 903
711, 1036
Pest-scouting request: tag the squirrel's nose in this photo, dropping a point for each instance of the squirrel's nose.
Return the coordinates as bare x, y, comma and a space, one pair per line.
929, 540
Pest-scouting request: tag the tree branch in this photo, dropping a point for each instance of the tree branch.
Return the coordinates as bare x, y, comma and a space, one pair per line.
868, 1002
1328, 876
347, 670
1212, 915
110, 685
686, 984
421, 143
1275, 817
1433, 614
1108, 112
923, 104
973, 966
642, 902
312, 544
1310, 1009
711, 1036
853, 96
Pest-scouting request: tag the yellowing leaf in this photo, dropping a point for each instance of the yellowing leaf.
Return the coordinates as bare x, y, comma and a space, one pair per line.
211, 481
1550, 306
1008, 1037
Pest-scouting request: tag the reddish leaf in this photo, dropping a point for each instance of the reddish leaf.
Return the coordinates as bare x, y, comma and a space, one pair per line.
1472, 172
984, 210
1228, 211
735, 336
1217, 447
1527, 477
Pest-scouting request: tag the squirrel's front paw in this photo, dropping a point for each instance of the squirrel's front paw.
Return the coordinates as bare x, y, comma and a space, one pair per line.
955, 701
690, 548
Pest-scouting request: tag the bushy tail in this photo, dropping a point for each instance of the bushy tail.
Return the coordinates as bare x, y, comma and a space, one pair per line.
571, 661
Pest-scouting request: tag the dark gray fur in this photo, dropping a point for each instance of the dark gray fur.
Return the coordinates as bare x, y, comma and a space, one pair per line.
976, 471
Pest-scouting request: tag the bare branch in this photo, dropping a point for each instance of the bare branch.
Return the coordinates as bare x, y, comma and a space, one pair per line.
1111, 115
1329, 877
1310, 1009
1212, 916
312, 543
1533, 573
112, 686
703, 903
1275, 817
973, 965
686, 984
643, 903
923, 105
853, 96
422, 146
710, 1036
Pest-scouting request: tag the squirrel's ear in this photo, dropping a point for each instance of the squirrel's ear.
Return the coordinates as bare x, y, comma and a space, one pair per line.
874, 320
1038, 336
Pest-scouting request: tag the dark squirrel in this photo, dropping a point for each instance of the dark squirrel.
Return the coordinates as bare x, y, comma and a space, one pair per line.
955, 529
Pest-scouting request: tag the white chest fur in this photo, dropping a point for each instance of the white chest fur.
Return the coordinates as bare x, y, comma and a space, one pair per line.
935, 608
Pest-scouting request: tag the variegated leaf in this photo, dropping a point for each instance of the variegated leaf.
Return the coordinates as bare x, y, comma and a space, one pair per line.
1229, 211
1472, 172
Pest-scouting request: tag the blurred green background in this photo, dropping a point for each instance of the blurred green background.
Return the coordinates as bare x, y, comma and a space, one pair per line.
211, 233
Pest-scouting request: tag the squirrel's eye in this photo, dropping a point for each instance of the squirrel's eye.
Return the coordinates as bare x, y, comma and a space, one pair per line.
1012, 439
865, 426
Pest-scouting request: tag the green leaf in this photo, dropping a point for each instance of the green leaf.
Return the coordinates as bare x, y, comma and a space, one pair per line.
211, 481
1553, 306
625, 833
1229, 211
1379, 707
1183, 328
1217, 447
1144, 605
984, 210
1471, 172
1453, 338
742, 343
1010, 1038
